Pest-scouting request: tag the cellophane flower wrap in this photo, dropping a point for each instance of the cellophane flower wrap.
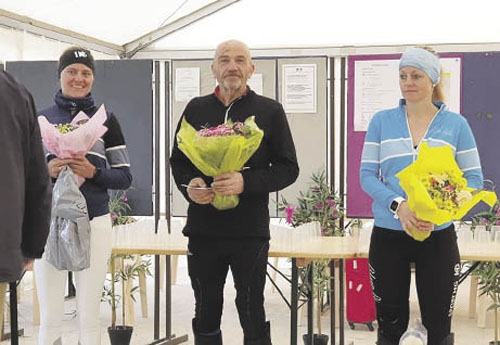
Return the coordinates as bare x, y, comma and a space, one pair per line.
437, 192
77, 137
218, 150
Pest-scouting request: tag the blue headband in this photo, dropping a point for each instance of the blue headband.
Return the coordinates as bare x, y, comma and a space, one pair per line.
423, 60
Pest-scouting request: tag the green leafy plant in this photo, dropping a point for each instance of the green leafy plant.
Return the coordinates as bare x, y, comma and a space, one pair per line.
488, 272
128, 268
123, 268
487, 218
319, 203
119, 208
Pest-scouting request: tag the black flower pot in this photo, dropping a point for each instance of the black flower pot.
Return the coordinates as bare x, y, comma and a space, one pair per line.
120, 335
318, 339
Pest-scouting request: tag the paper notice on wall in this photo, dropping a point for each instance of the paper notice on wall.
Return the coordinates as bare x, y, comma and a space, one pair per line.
187, 83
299, 88
376, 87
256, 83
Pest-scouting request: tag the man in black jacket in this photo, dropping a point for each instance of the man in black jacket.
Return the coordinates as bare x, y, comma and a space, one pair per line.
237, 238
25, 186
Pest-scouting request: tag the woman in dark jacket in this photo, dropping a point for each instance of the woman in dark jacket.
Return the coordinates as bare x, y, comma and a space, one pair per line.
105, 166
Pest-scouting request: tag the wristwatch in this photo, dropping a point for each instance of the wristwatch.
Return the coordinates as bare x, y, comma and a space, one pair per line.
395, 204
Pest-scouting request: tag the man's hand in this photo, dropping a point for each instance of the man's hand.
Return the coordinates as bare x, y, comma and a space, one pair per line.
199, 196
228, 184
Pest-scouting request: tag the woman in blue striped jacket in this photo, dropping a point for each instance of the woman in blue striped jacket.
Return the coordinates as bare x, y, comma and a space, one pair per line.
392, 143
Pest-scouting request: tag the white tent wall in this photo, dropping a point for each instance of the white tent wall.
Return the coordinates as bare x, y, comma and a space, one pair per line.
18, 45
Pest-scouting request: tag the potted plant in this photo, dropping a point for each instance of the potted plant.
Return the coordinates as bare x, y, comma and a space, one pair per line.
319, 203
488, 272
120, 209
122, 274
123, 270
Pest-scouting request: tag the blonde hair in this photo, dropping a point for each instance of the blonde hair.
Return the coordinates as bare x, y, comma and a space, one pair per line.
438, 93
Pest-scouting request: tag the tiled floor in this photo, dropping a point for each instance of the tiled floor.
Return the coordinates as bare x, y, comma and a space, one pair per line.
466, 330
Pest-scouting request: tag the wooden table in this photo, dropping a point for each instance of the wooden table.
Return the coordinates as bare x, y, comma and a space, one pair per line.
349, 247
140, 238
288, 243
302, 248
471, 251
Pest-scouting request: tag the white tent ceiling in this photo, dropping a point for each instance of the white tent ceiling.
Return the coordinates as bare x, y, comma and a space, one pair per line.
113, 21
115, 27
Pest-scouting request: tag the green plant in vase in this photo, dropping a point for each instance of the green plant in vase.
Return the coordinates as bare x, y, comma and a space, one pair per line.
318, 203
120, 209
488, 272
123, 269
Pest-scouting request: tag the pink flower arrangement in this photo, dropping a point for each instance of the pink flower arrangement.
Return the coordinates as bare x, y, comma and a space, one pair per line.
221, 149
237, 128
487, 218
318, 203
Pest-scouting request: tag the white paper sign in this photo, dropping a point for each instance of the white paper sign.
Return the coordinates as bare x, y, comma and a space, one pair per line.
256, 83
299, 88
187, 83
376, 88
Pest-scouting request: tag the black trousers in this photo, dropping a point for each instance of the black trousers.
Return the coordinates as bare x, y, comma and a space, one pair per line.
209, 260
437, 269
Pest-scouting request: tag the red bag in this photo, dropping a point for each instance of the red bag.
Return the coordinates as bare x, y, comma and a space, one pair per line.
360, 305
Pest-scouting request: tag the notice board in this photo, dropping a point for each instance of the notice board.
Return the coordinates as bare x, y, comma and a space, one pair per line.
373, 86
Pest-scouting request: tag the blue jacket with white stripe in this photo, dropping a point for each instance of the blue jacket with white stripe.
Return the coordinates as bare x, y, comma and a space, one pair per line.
388, 149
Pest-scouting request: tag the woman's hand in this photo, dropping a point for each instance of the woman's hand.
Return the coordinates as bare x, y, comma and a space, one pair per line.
56, 165
409, 220
81, 166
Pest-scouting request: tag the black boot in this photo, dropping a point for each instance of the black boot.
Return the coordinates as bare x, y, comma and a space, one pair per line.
449, 340
204, 339
266, 340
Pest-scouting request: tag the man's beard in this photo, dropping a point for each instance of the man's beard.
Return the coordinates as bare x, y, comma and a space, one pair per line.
232, 86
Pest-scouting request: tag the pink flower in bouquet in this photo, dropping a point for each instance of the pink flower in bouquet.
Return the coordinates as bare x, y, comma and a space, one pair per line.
77, 141
221, 149
76, 138
237, 128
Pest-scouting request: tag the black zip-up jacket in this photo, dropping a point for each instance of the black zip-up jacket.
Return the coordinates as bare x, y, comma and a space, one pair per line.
272, 167
25, 187
109, 153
